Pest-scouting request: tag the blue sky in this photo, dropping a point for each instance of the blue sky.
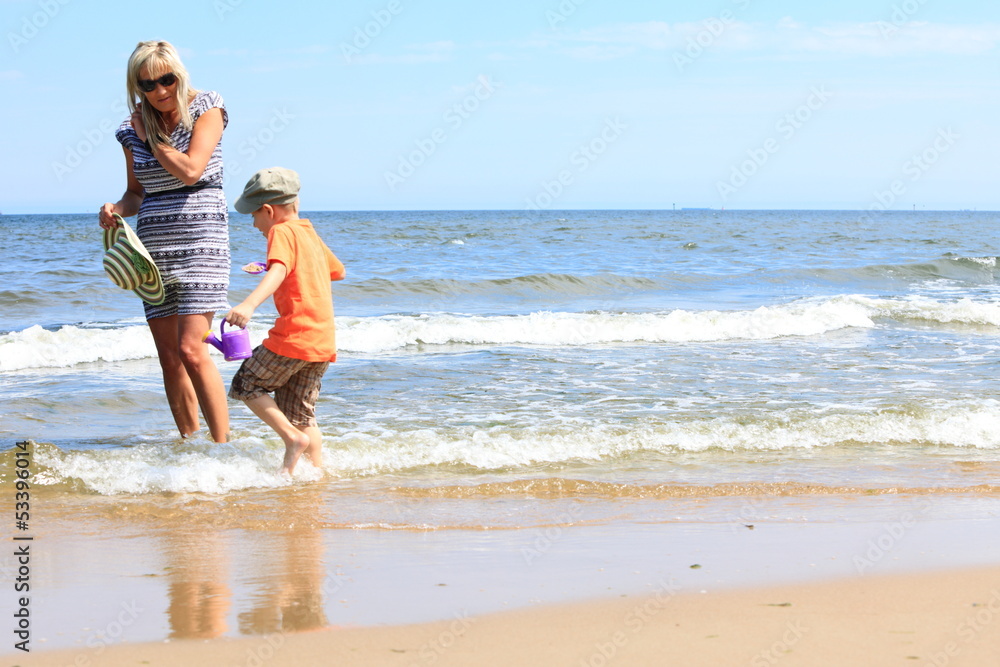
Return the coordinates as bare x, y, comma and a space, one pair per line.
439, 104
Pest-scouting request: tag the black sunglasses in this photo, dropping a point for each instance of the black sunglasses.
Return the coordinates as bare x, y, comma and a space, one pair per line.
149, 85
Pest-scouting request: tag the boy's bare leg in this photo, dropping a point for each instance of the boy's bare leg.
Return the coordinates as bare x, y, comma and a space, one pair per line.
295, 440
315, 449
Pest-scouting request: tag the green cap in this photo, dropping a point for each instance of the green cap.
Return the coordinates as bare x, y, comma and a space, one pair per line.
276, 185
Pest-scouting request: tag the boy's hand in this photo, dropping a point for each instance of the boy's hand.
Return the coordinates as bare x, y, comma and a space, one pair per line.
239, 316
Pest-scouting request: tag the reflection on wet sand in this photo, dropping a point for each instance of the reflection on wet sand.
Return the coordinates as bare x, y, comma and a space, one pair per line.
290, 584
199, 594
290, 598
287, 562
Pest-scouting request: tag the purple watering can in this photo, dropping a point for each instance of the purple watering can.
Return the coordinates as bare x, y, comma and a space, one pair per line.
234, 345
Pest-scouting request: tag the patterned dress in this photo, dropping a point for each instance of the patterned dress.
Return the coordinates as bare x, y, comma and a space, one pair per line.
184, 228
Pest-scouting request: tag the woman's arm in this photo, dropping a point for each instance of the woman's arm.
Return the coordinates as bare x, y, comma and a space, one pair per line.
205, 136
128, 205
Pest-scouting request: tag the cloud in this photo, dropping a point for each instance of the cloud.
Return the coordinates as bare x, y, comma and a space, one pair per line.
229, 53
431, 52
888, 39
786, 37
11, 75
650, 35
599, 53
309, 50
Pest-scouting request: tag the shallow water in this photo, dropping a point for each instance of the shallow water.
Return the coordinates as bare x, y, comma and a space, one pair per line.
629, 350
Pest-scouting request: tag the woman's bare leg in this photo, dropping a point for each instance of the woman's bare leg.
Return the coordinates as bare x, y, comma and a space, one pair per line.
203, 373
181, 395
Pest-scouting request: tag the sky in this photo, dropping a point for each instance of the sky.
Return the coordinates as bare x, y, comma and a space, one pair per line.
541, 105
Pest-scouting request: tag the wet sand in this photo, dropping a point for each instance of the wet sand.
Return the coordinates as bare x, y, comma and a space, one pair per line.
950, 618
195, 579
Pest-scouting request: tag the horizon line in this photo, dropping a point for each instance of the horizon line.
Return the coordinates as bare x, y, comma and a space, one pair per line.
567, 210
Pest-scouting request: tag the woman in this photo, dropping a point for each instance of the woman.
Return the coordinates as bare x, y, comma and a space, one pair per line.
173, 158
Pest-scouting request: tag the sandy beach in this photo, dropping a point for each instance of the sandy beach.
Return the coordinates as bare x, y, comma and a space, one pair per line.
262, 579
948, 618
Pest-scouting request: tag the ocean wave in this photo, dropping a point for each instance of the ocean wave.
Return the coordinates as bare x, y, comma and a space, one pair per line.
505, 448
187, 467
36, 347
806, 317
17, 299
933, 311
251, 461
396, 332
972, 270
528, 285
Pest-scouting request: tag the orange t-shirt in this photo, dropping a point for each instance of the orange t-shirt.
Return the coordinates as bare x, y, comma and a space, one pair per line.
304, 328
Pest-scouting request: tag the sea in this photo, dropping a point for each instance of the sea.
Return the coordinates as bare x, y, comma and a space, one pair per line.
518, 373
618, 354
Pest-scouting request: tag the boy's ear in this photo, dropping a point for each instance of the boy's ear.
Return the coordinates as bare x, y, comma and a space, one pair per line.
269, 211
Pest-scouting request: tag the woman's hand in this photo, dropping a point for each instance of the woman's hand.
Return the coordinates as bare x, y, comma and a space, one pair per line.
106, 216
137, 124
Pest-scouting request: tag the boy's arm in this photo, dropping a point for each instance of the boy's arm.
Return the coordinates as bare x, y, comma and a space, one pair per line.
337, 271
241, 314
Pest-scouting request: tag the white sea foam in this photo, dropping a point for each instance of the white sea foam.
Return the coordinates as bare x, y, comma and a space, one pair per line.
387, 333
36, 347
250, 462
503, 447
39, 348
961, 311
210, 468
806, 317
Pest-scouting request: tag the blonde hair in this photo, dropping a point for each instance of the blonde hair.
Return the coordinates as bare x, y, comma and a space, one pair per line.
158, 58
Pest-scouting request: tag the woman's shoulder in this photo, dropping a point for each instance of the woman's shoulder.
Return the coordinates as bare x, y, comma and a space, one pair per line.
205, 100
125, 134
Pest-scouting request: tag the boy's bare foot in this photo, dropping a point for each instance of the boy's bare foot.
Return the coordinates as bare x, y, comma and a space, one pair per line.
298, 443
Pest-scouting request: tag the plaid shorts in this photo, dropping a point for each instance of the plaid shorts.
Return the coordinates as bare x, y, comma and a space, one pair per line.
295, 383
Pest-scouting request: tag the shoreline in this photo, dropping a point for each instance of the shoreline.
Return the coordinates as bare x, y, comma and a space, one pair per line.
932, 618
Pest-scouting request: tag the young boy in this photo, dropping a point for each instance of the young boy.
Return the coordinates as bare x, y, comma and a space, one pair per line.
302, 343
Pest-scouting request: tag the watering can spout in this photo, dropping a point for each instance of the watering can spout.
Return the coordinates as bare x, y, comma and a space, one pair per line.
213, 341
